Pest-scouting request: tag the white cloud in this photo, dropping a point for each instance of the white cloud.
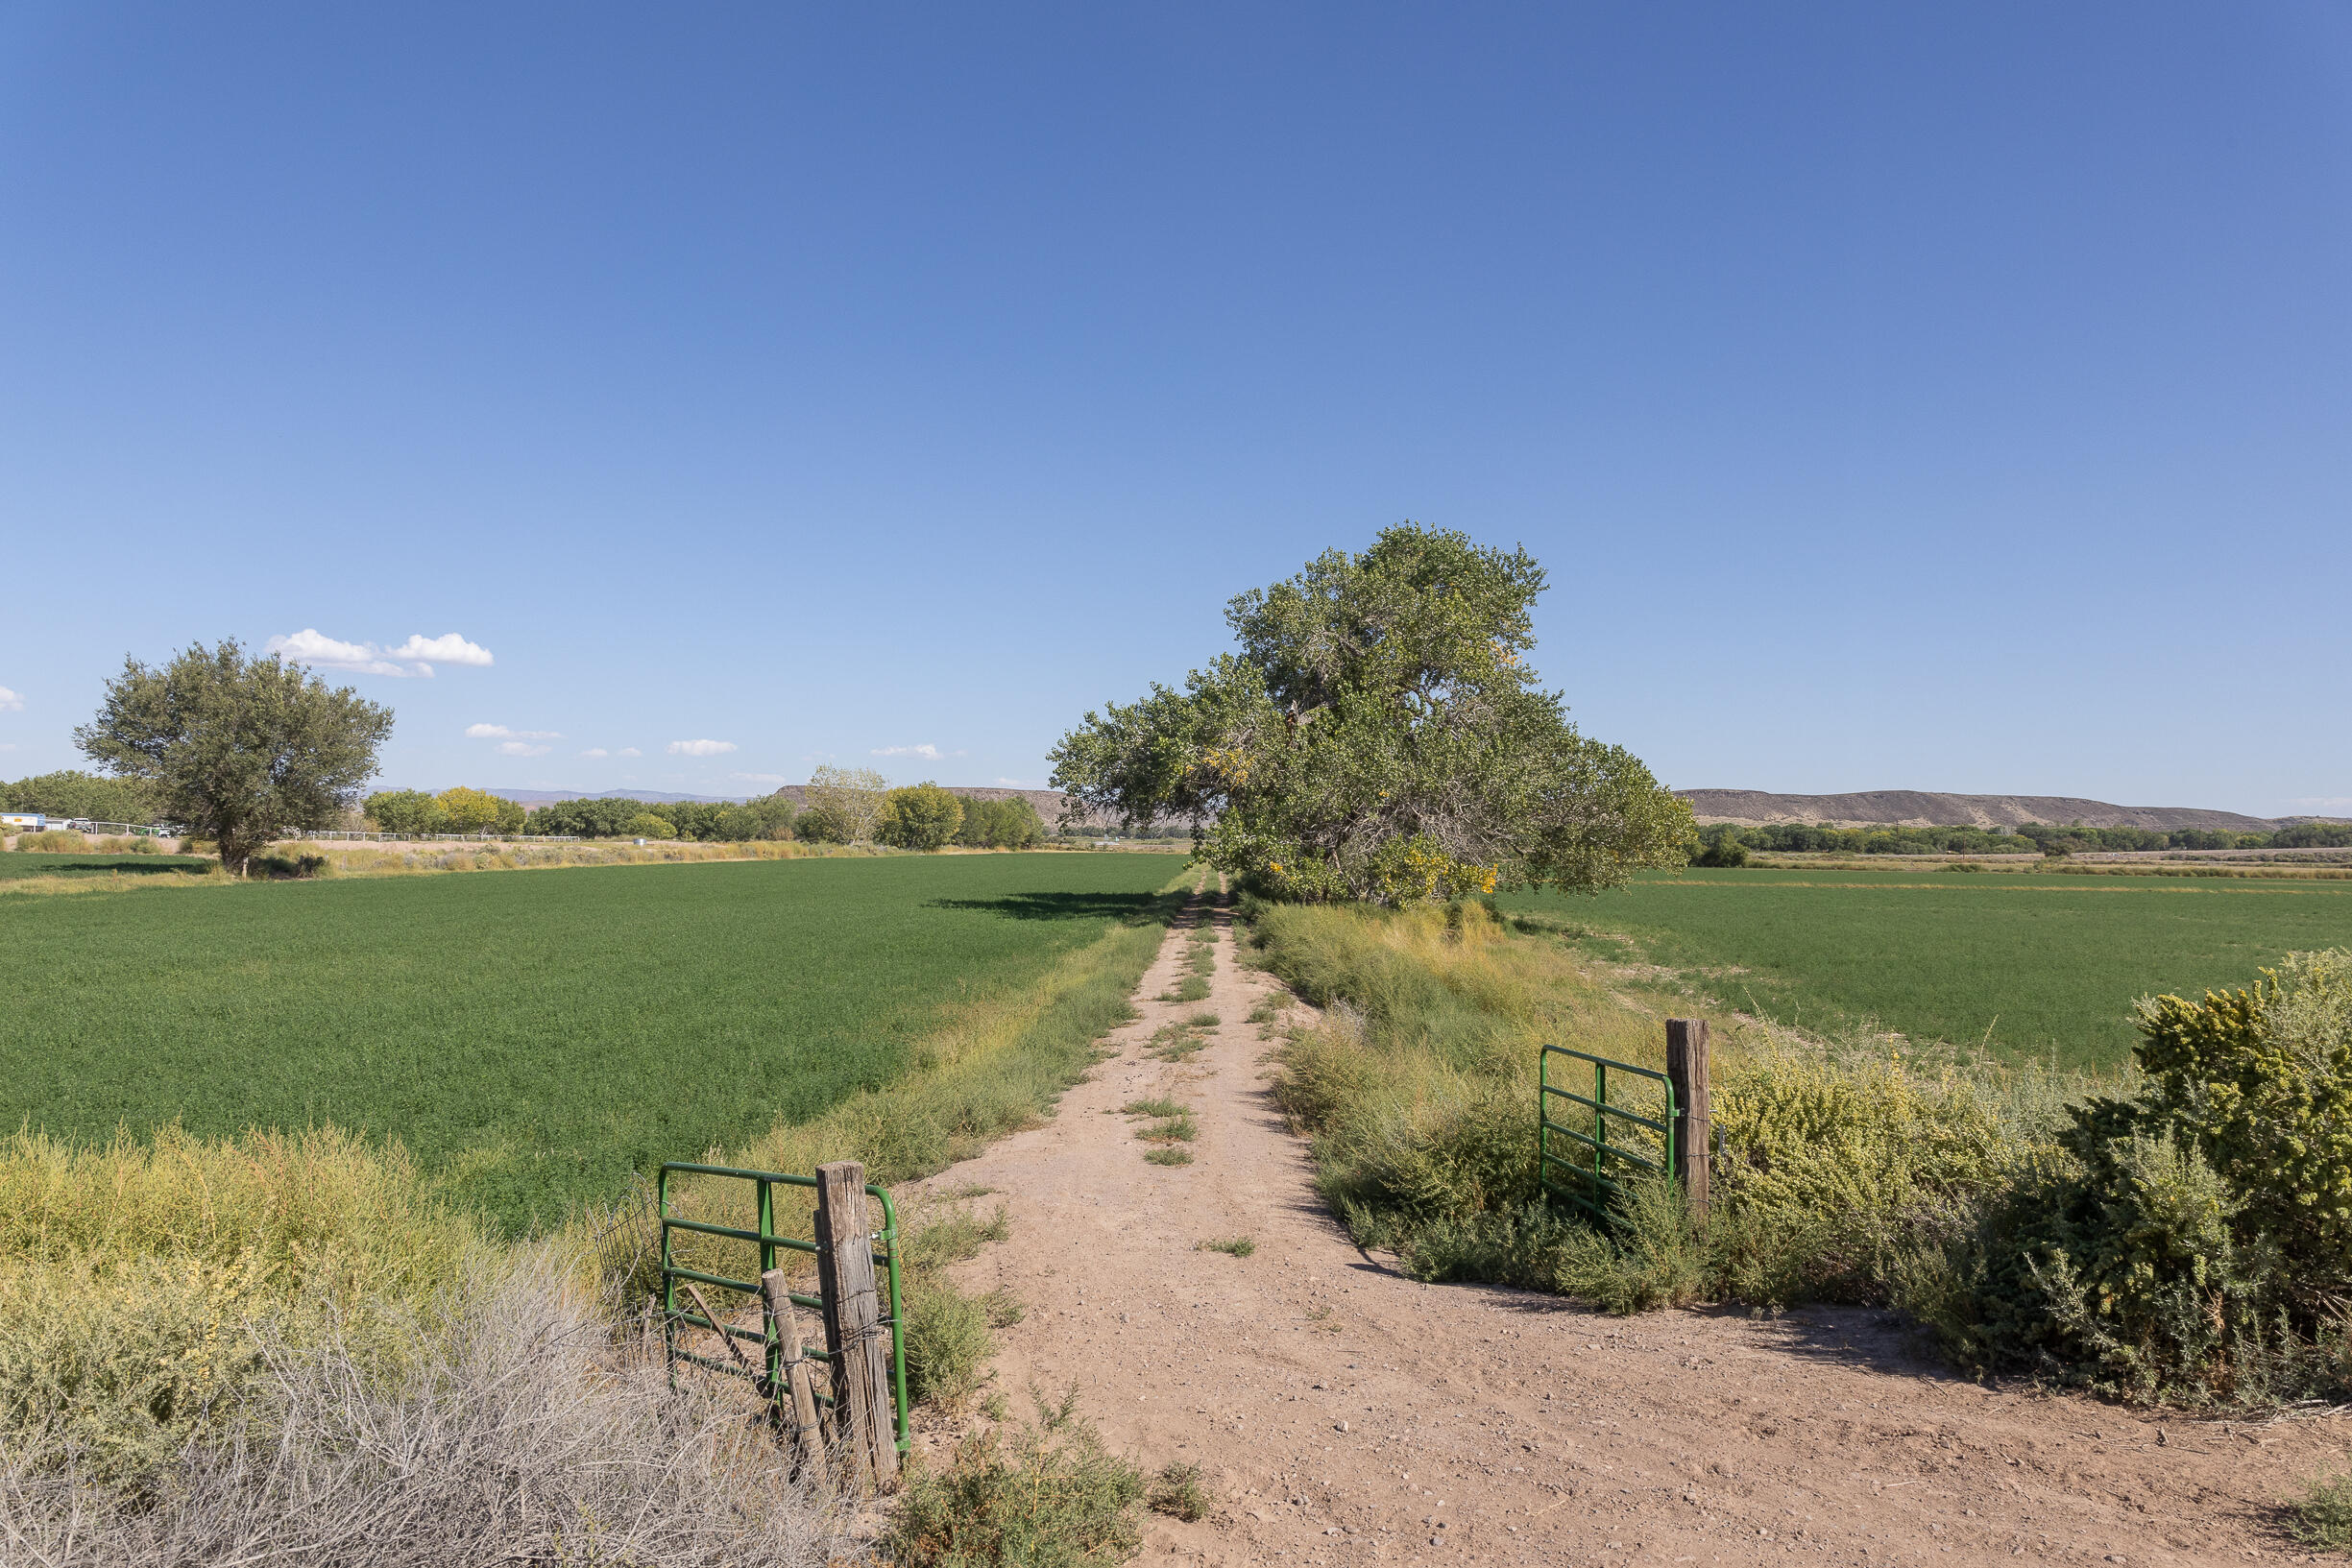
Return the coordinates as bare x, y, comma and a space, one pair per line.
700, 748
414, 657
449, 648
10, 701
595, 751
927, 752
499, 732
628, 751
2317, 803
760, 777
315, 649
521, 748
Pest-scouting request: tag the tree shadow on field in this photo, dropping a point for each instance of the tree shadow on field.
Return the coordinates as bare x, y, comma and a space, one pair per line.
37, 865
1056, 906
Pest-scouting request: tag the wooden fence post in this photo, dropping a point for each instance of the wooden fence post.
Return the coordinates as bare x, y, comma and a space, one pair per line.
854, 1327
775, 1291
1694, 1118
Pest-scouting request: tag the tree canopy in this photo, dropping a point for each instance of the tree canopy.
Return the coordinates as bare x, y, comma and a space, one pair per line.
465, 810
1380, 735
1010, 824
237, 749
919, 817
404, 811
852, 797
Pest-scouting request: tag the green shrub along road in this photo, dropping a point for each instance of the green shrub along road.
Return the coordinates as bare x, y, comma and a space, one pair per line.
2034, 966
531, 1037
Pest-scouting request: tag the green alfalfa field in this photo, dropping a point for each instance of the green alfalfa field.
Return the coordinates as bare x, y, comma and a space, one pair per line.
533, 1037
2027, 967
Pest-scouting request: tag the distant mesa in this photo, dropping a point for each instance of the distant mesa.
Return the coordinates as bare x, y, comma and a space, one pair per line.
1926, 809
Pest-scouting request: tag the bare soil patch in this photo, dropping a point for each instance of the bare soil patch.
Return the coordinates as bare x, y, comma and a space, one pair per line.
1343, 1413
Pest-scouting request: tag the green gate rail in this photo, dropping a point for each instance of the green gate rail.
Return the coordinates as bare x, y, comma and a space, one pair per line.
1597, 1158
771, 1342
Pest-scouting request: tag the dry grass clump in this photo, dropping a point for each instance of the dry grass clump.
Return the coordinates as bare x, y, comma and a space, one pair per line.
1179, 1128
517, 1431
139, 1280
1176, 1492
53, 841
1047, 1494
950, 1334
1181, 1040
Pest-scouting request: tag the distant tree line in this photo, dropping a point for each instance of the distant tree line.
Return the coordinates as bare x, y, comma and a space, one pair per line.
921, 817
727, 822
2300, 835
68, 793
1725, 843
459, 811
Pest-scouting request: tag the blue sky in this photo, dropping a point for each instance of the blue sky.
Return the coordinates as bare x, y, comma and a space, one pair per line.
1901, 396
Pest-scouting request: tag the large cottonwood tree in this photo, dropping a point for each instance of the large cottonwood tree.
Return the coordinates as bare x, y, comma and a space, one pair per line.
1380, 735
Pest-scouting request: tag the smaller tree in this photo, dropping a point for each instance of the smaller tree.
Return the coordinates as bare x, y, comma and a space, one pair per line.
1010, 823
1720, 845
822, 824
854, 793
919, 817
772, 816
468, 810
645, 825
237, 749
404, 811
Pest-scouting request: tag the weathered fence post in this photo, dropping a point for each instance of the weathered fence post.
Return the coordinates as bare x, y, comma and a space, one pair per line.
854, 1326
785, 1328
1693, 1117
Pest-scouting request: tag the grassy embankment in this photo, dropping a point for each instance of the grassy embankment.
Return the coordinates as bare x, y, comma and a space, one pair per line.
2182, 1242
1419, 1088
2027, 967
266, 1268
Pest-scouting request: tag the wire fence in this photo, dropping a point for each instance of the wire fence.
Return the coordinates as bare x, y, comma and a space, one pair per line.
484, 838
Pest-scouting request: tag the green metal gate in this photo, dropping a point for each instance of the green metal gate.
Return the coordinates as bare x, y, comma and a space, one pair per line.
771, 1342
1593, 1177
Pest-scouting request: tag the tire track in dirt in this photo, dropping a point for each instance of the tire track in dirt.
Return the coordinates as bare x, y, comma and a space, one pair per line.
1343, 1413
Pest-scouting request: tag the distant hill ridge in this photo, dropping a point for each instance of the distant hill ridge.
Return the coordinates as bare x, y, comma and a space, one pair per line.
1927, 808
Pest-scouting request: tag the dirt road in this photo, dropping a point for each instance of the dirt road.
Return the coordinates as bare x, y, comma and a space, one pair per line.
1343, 1413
